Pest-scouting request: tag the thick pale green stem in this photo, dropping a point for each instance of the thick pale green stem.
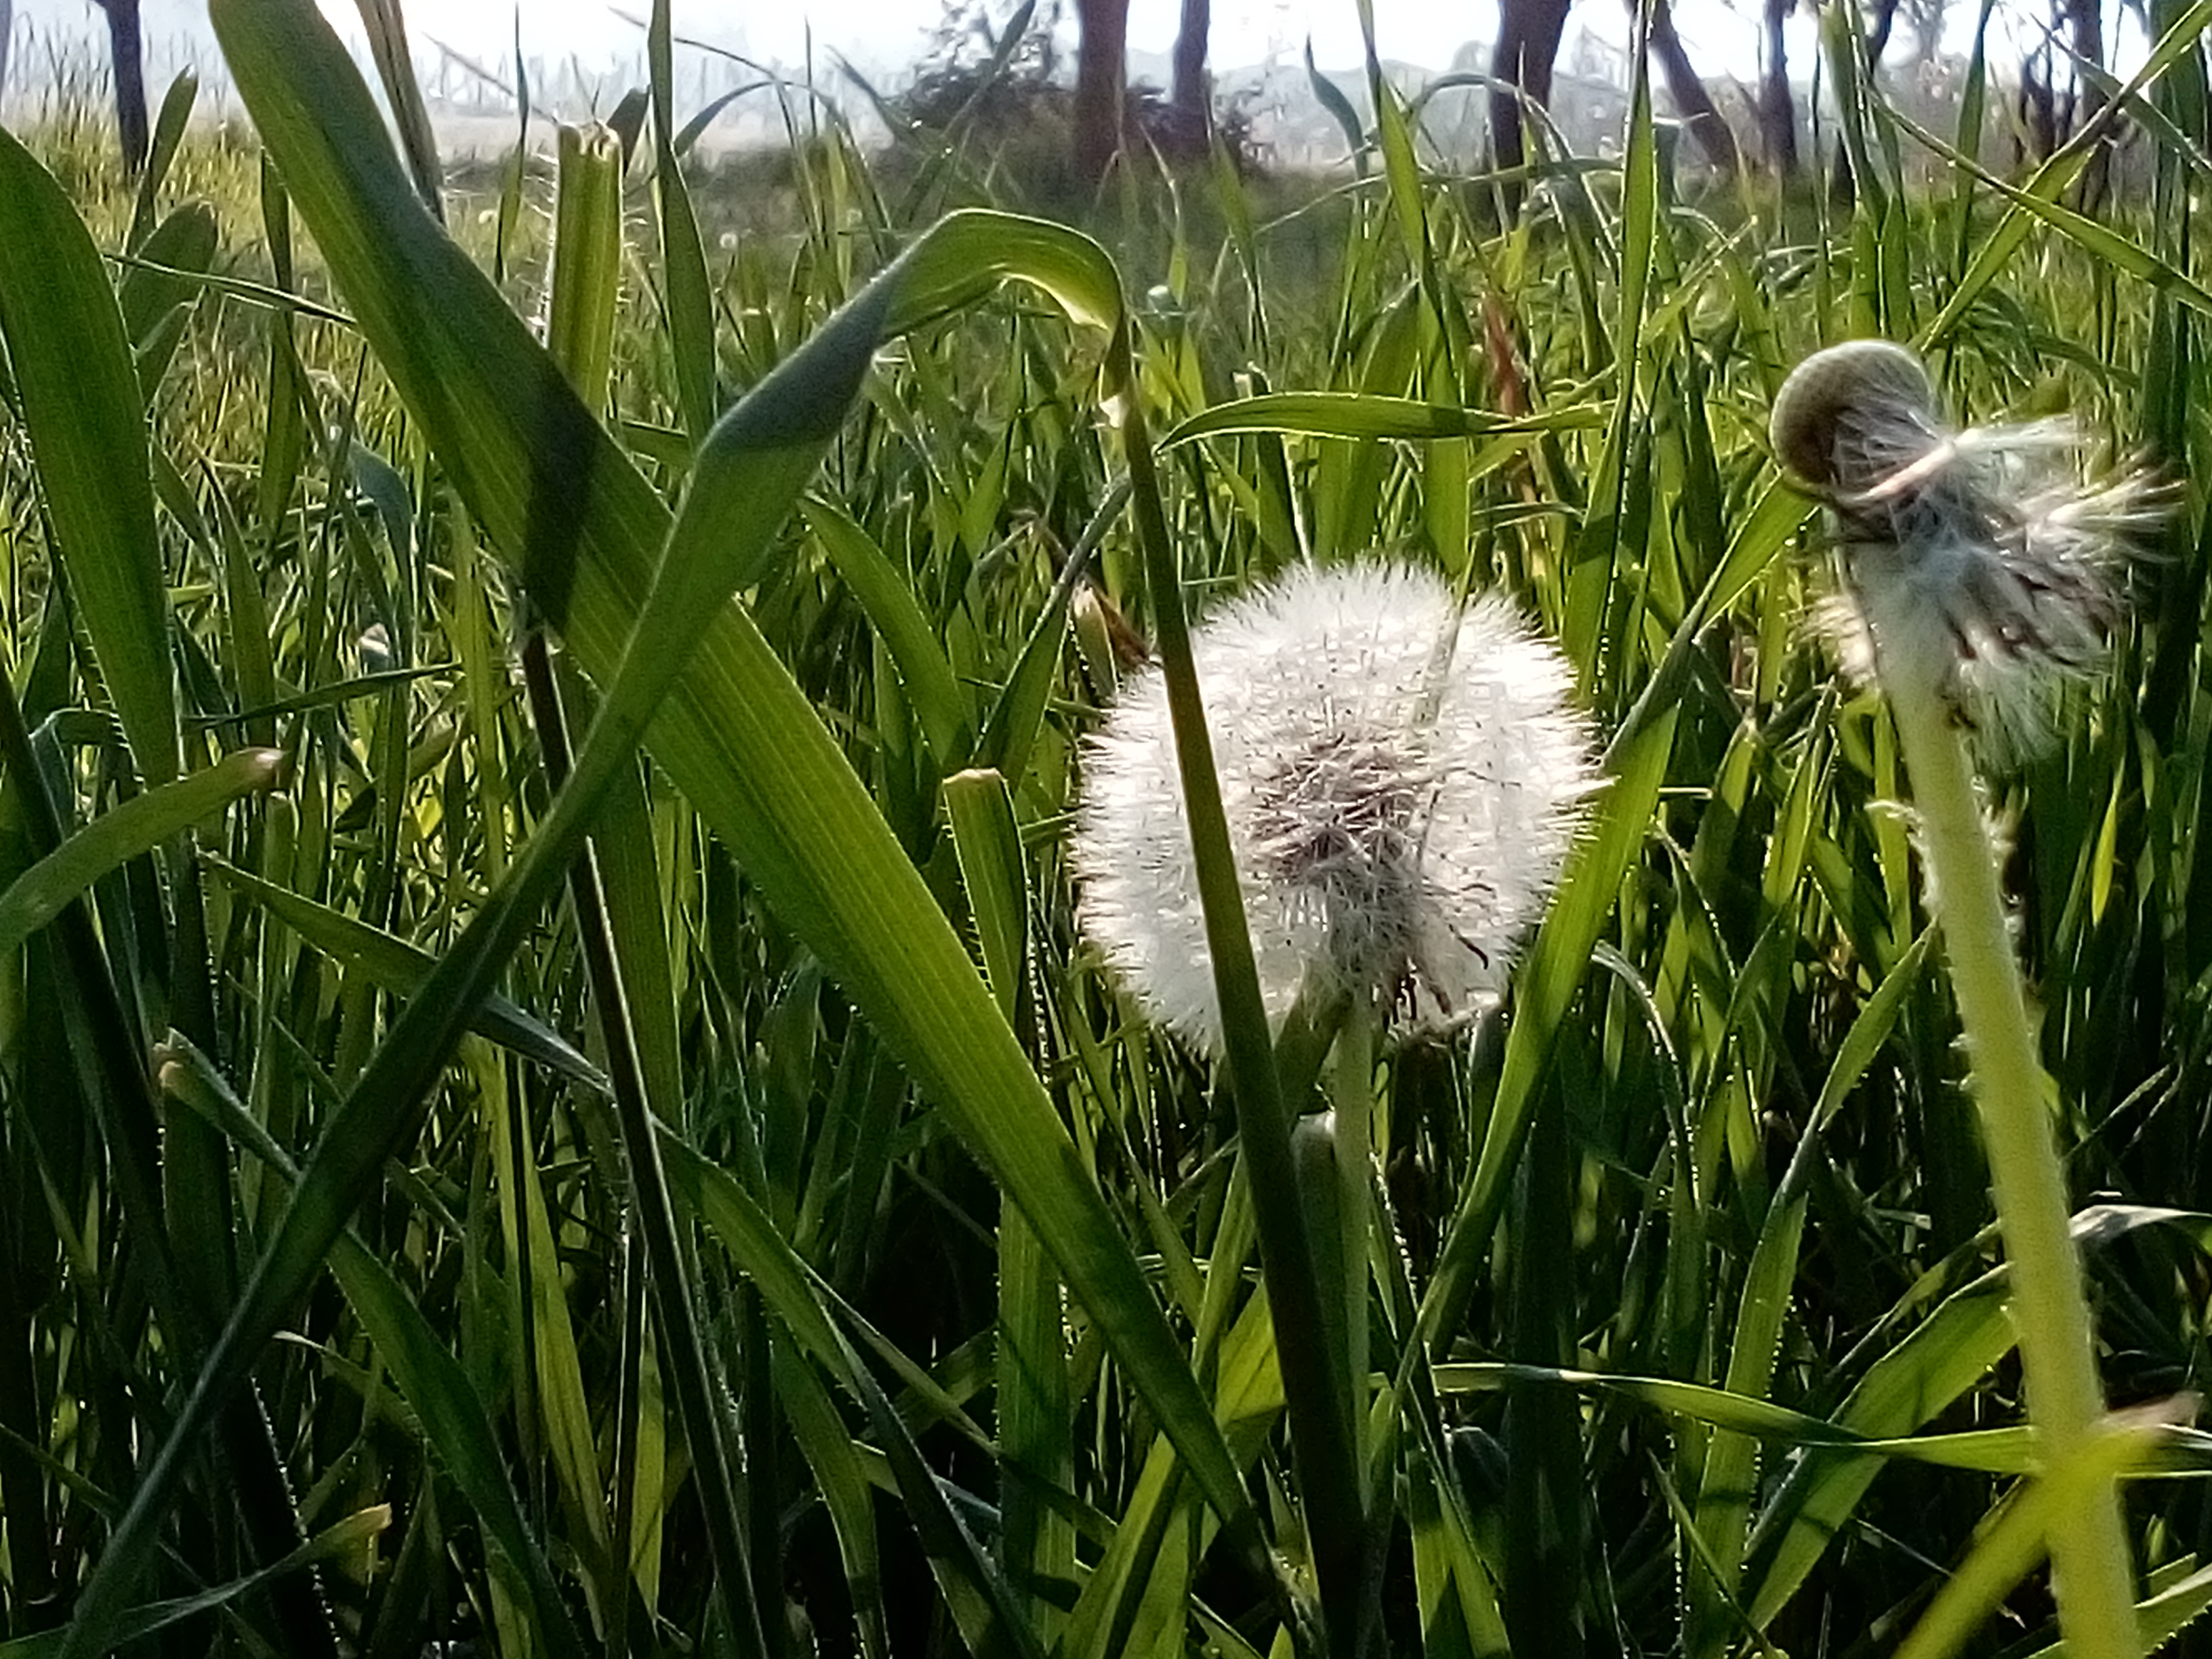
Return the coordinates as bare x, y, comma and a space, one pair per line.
2089, 1554
1352, 1090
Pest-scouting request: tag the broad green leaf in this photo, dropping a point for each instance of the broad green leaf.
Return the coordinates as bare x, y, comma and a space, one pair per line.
80, 396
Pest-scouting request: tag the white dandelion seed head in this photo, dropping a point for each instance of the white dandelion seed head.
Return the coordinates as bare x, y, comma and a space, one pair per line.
1989, 559
1402, 778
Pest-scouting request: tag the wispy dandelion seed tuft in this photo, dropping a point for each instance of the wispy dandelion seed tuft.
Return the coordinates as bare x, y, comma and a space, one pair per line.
1991, 558
1402, 776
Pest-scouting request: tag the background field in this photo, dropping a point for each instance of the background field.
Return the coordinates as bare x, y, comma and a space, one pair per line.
1706, 1208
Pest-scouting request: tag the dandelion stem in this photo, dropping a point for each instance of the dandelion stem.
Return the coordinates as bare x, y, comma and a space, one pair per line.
2095, 1581
1353, 1086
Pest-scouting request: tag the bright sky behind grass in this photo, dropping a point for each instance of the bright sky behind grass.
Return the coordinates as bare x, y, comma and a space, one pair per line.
895, 32
885, 37
890, 34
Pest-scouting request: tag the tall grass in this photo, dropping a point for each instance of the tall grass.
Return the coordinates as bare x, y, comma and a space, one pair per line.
550, 1094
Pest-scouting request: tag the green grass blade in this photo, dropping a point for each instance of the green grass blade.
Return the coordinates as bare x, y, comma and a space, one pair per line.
587, 256
739, 737
169, 125
80, 397
888, 598
989, 846
400, 968
1724, 1495
687, 299
1370, 415
156, 296
128, 830
840, 1476
445, 1402
1545, 990
395, 66
1035, 1445
1919, 1377
2016, 1539
1324, 1422
345, 1538
2050, 180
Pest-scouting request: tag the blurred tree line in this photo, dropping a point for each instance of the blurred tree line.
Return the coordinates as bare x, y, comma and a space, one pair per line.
2058, 79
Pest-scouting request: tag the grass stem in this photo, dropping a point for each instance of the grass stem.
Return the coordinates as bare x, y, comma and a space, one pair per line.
1352, 1087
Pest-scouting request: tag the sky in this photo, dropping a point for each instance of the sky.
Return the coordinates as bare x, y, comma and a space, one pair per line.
890, 34
883, 37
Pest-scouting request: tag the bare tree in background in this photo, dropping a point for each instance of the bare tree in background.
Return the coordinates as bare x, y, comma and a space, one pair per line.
2084, 21
1528, 33
1191, 96
1924, 18
2046, 116
1101, 84
1692, 101
1879, 31
1777, 105
1843, 188
126, 51
7, 36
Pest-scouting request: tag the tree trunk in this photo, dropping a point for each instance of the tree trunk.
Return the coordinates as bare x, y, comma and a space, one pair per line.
1877, 36
1528, 33
1692, 101
1778, 105
2035, 129
2084, 21
1191, 96
1100, 84
7, 36
128, 58
1843, 189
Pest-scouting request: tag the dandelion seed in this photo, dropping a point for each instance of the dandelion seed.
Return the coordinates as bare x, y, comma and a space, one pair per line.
1989, 558
1402, 777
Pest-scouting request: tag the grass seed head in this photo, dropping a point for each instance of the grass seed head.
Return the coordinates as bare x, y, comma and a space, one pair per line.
1402, 777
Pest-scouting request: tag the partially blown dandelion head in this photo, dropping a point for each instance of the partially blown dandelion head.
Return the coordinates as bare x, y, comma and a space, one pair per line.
1987, 559
1402, 777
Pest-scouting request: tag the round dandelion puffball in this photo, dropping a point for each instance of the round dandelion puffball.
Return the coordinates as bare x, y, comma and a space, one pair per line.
1402, 778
